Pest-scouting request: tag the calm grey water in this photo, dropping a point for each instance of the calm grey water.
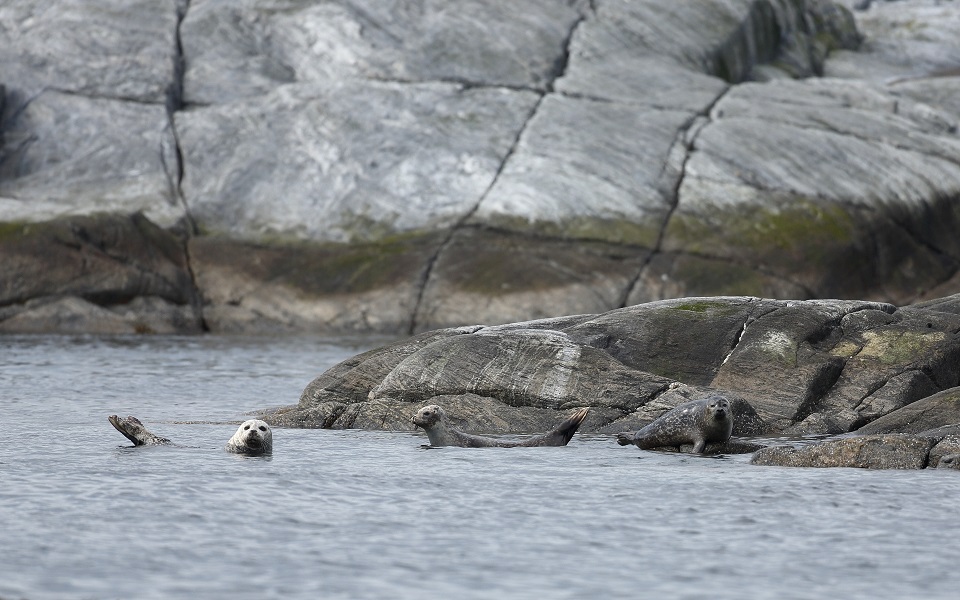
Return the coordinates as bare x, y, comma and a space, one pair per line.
354, 514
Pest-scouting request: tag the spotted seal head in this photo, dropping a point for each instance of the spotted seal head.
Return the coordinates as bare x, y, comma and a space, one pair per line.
253, 438
697, 422
432, 419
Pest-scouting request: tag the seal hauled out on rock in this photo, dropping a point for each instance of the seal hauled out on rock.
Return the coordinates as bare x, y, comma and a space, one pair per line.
253, 437
431, 419
951, 461
696, 422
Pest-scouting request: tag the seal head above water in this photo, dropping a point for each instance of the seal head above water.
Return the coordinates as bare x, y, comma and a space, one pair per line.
697, 422
253, 438
432, 419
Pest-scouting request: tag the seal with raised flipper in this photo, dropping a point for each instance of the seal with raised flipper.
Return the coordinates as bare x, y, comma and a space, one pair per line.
254, 437
697, 422
432, 420
134, 430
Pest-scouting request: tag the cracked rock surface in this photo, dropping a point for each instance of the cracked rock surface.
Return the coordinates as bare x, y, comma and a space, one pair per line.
403, 166
788, 367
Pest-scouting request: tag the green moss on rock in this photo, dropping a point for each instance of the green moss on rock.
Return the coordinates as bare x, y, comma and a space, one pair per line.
795, 229
615, 231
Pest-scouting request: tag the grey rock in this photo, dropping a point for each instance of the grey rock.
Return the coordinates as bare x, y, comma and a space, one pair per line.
623, 158
105, 274
362, 161
499, 277
617, 153
538, 368
801, 368
69, 154
915, 38
248, 48
110, 49
741, 192
310, 287
892, 451
929, 413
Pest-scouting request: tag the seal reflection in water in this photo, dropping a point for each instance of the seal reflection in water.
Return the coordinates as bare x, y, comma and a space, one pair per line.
432, 420
253, 437
698, 422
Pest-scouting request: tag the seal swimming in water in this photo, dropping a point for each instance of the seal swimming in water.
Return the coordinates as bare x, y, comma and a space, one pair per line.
696, 422
431, 419
253, 437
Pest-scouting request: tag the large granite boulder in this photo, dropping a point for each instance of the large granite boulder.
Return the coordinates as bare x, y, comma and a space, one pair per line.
794, 367
407, 166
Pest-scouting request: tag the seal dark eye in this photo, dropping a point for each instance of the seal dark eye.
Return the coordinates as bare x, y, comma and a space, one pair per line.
246, 427
262, 428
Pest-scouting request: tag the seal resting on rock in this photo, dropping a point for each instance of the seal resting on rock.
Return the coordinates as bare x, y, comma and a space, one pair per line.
253, 437
696, 422
432, 420
951, 461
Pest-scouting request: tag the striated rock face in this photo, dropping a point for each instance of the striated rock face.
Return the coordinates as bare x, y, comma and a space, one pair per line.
405, 166
788, 367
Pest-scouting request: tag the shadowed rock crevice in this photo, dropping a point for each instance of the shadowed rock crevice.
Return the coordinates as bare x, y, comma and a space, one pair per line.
560, 70
428, 270
685, 142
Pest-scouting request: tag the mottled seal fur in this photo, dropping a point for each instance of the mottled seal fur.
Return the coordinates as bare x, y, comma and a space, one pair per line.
253, 437
697, 422
133, 430
432, 420
950, 461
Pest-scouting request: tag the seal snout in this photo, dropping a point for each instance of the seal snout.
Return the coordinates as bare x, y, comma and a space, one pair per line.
253, 437
427, 416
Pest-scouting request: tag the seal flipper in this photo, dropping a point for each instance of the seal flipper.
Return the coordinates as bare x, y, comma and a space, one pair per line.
563, 432
133, 430
625, 438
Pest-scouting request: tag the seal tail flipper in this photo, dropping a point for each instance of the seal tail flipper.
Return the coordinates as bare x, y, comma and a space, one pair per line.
563, 432
119, 425
625, 438
133, 430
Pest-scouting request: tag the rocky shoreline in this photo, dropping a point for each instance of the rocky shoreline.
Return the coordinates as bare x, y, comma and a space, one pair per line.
831, 369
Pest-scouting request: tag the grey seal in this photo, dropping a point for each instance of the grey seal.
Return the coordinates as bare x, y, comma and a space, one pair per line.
696, 422
950, 461
253, 437
432, 420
